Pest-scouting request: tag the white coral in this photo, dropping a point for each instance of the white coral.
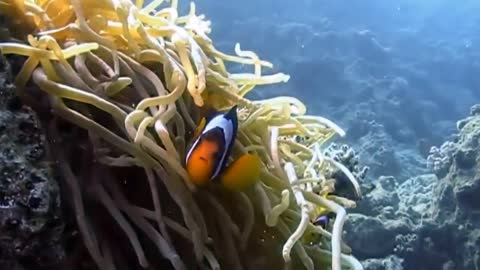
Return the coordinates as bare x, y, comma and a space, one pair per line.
440, 159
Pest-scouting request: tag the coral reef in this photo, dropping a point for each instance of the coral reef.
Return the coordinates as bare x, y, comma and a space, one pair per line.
123, 81
347, 156
390, 263
31, 225
429, 222
439, 159
459, 188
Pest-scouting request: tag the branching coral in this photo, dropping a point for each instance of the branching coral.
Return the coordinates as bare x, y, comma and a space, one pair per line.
129, 74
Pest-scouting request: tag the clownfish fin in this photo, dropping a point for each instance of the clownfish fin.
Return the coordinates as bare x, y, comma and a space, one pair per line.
242, 173
232, 112
206, 114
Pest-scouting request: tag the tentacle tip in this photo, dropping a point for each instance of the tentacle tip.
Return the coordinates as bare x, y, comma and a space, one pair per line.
286, 256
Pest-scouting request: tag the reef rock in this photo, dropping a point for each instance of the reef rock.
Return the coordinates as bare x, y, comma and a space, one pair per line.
30, 223
457, 200
460, 185
390, 215
430, 221
390, 263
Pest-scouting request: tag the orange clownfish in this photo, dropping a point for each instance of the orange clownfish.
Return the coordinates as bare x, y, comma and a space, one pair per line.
206, 160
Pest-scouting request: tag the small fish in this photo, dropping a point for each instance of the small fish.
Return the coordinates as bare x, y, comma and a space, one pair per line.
323, 220
206, 160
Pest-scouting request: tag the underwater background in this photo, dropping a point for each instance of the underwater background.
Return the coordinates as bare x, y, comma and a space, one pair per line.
401, 77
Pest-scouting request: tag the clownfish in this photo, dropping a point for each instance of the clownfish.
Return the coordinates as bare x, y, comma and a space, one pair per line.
207, 158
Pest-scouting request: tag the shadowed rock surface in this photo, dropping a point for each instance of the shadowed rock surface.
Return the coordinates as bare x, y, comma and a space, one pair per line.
30, 222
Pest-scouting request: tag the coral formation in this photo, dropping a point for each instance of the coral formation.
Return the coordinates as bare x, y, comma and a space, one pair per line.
432, 220
457, 153
347, 156
440, 158
130, 78
30, 221
463, 178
